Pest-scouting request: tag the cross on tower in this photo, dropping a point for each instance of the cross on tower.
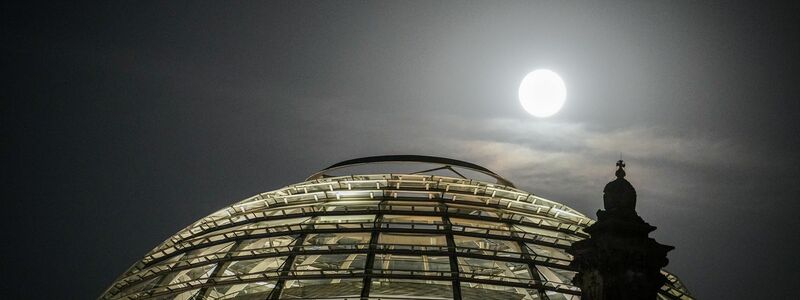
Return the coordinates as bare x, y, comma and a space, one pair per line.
619, 261
620, 171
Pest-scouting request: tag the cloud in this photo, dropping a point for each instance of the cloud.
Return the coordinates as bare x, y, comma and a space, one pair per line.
568, 162
574, 161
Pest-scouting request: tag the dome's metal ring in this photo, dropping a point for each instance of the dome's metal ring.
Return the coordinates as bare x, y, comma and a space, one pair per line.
412, 158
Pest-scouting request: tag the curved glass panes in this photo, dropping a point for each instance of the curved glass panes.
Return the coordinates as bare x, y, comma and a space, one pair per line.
385, 236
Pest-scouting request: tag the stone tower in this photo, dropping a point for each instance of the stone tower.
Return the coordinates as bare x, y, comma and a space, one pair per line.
619, 261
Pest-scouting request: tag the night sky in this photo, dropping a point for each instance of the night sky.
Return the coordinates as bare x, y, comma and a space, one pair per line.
124, 122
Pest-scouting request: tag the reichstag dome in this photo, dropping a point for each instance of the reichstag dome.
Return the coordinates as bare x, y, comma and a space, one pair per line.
388, 227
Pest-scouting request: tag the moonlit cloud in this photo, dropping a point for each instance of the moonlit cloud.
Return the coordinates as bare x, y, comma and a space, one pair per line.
571, 157
569, 162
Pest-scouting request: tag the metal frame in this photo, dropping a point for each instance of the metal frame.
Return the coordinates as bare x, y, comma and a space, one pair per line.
411, 196
447, 163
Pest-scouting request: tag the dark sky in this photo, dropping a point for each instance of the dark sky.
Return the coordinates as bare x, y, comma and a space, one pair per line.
124, 122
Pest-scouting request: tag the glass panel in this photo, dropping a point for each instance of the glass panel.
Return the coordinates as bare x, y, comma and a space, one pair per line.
322, 289
411, 222
546, 232
559, 296
278, 222
201, 272
549, 252
251, 266
144, 285
474, 211
192, 256
261, 224
556, 275
675, 282
488, 246
353, 207
347, 263
476, 223
187, 295
492, 269
267, 243
424, 265
256, 290
411, 241
349, 240
408, 288
345, 219
410, 206
480, 291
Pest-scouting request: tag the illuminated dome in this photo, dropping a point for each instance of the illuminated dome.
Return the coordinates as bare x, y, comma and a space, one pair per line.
433, 228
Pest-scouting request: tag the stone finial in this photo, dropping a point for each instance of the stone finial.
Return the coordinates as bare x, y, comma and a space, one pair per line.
619, 194
621, 170
619, 261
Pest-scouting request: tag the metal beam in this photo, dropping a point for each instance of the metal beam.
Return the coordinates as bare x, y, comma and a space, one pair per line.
534, 272
287, 266
366, 284
451, 253
219, 269
412, 158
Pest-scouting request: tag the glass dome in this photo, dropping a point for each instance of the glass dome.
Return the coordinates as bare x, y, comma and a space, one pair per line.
427, 234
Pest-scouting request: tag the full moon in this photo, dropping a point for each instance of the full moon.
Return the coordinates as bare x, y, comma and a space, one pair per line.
542, 93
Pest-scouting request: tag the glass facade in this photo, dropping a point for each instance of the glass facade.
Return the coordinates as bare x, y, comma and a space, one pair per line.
382, 236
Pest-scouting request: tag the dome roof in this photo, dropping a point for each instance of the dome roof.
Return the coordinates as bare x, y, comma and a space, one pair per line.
411, 235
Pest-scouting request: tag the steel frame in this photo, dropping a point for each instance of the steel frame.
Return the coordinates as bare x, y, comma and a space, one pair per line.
407, 195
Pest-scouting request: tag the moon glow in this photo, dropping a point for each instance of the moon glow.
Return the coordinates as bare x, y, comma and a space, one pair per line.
542, 93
